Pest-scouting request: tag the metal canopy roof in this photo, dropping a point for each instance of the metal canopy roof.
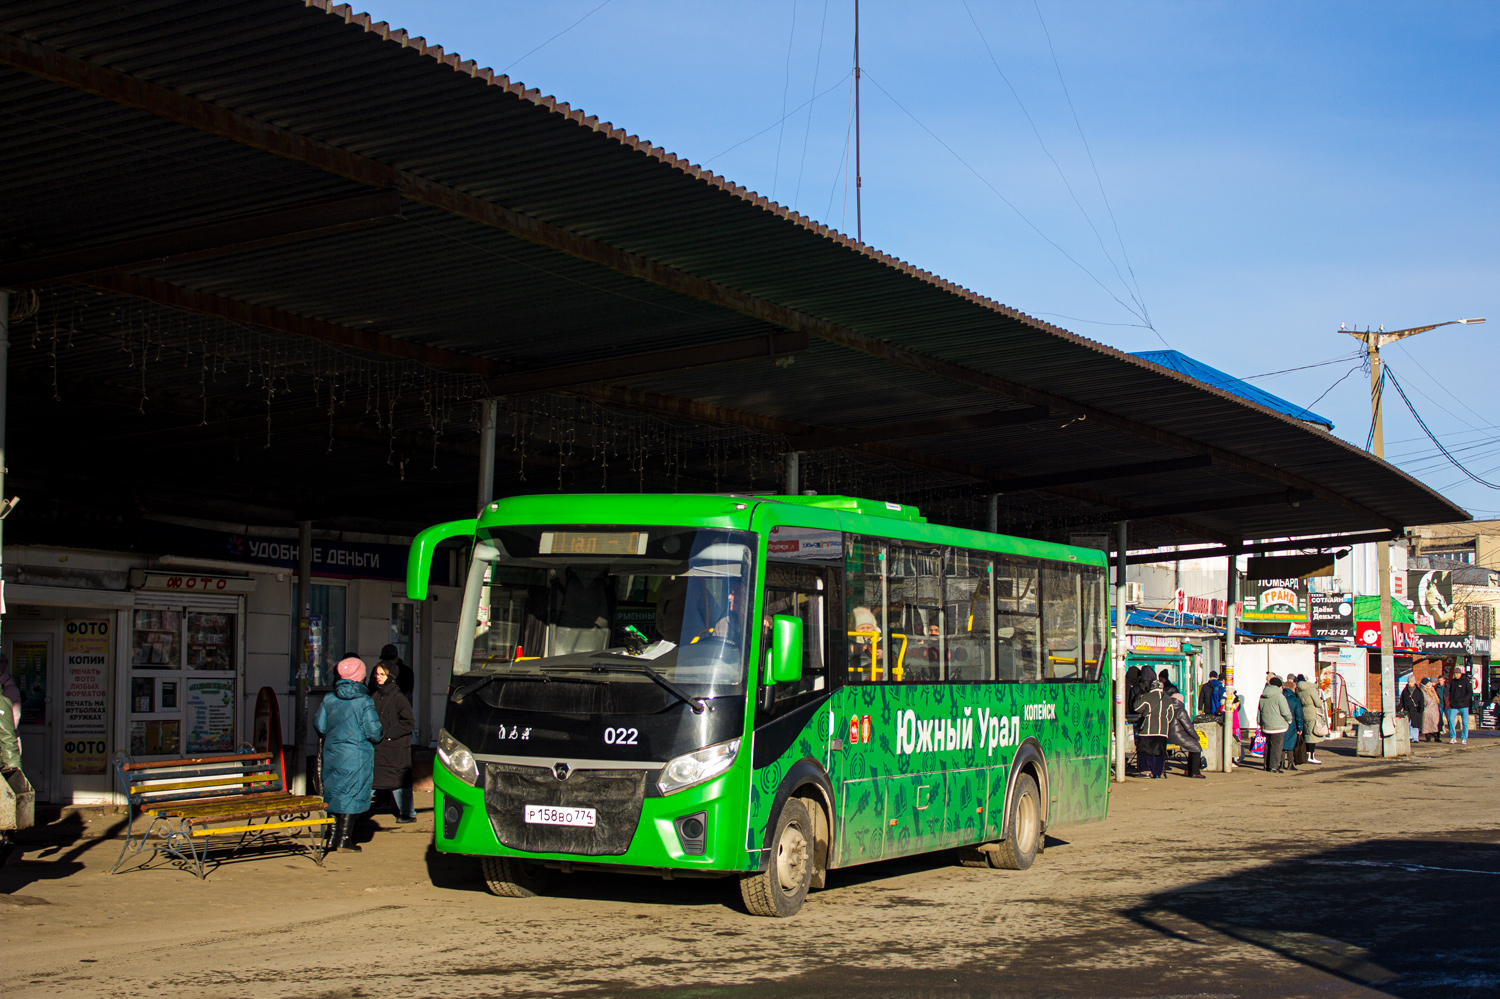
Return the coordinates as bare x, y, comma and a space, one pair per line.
270, 254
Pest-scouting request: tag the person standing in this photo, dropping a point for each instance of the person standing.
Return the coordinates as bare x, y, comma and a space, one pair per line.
1274, 718
1151, 732
1432, 712
1213, 694
1460, 699
1292, 742
1439, 688
350, 727
1411, 705
390, 658
1183, 734
393, 752
1315, 715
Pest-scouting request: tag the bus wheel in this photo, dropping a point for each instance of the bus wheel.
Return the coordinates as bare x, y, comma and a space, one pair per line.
1023, 839
511, 877
780, 889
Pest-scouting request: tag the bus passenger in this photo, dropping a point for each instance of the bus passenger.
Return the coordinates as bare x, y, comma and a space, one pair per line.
1151, 736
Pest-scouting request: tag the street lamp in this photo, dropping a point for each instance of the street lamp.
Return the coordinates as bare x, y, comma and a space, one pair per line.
1373, 341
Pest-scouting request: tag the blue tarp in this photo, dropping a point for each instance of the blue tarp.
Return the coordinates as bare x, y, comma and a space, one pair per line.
1181, 363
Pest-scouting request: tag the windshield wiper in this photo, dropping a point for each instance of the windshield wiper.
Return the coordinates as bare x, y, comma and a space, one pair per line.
696, 703
458, 695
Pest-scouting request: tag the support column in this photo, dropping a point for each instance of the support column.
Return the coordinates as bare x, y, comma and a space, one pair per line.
793, 484
1388, 741
1118, 659
305, 665
992, 523
489, 413
1231, 595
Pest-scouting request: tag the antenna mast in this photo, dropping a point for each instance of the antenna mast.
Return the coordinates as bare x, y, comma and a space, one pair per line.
859, 226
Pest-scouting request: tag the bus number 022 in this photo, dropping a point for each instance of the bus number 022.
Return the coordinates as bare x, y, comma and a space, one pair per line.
621, 736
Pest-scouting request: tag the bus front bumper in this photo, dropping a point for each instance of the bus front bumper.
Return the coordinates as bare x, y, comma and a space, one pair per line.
661, 843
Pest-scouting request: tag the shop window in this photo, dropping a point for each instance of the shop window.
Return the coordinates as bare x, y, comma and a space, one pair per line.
326, 638
1062, 601
915, 612
157, 638
191, 709
967, 612
864, 565
210, 640
1017, 621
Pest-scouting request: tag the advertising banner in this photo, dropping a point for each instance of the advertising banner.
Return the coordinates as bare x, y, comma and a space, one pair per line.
1276, 599
210, 716
1432, 594
85, 713
1331, 616
28, 666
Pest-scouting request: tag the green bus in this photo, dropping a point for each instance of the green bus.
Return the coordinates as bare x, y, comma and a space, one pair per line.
764, 688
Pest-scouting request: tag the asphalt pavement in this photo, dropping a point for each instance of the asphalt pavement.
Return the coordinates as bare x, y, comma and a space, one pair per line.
1360, 878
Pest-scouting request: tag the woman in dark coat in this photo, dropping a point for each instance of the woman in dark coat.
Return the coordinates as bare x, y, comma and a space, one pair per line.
350, 727
1151, 734
1298, 726
393, 752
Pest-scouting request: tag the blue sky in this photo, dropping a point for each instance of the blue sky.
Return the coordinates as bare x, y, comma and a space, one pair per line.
1272, 169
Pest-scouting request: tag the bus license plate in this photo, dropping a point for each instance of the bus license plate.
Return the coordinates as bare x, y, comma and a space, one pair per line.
548, 815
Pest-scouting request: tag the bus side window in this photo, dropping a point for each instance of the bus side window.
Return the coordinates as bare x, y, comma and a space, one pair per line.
1017, 623
915, 613
801, 591
862, 599
1095, 621
1062, 640
966, 615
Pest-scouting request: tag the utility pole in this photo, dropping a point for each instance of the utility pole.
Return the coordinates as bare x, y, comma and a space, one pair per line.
859, 224
1373, 341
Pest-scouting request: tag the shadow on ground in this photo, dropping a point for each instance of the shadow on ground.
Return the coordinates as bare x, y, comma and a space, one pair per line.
1408, 918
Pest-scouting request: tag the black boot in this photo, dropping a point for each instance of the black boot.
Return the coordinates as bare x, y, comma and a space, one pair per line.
335, 833
346, 841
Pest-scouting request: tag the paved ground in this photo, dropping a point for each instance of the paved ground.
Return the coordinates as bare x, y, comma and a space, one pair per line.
1358, 879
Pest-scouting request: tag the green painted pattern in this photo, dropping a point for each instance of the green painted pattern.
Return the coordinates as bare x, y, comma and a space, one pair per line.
935, 771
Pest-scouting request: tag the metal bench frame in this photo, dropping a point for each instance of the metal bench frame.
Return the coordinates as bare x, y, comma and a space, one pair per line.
197, 802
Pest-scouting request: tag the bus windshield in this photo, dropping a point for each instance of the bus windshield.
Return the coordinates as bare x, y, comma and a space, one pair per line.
590, 598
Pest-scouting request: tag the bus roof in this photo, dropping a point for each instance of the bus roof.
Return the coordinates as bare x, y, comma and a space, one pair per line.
898, 521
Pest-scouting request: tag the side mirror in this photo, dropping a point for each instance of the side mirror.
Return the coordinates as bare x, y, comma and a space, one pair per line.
786, 649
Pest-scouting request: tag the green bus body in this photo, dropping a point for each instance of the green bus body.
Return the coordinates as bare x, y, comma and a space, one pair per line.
898, 768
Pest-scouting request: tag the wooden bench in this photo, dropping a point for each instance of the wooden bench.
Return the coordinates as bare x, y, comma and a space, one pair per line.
198, 801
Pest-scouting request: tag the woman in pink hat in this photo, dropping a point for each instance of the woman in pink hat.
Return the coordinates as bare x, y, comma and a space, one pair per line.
350, 727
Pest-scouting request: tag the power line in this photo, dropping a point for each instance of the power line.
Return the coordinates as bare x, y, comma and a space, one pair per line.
807, 130
1439, 384
1009, 204
1430, 435
1308, 408
836, 84
517, 62
1090, 152
785, 89
1055, 165
1304, 367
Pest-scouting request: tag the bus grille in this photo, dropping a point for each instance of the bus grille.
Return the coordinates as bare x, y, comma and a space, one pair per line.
615, 796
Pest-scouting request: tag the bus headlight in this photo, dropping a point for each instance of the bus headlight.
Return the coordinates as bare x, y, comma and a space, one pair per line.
695, 768
457, 758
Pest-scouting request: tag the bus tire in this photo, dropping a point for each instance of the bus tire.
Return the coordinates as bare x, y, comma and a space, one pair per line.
512, 877
780, 889
1023, 835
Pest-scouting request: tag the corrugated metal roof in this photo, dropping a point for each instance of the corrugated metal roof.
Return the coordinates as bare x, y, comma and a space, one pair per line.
892, 342
1176, 360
